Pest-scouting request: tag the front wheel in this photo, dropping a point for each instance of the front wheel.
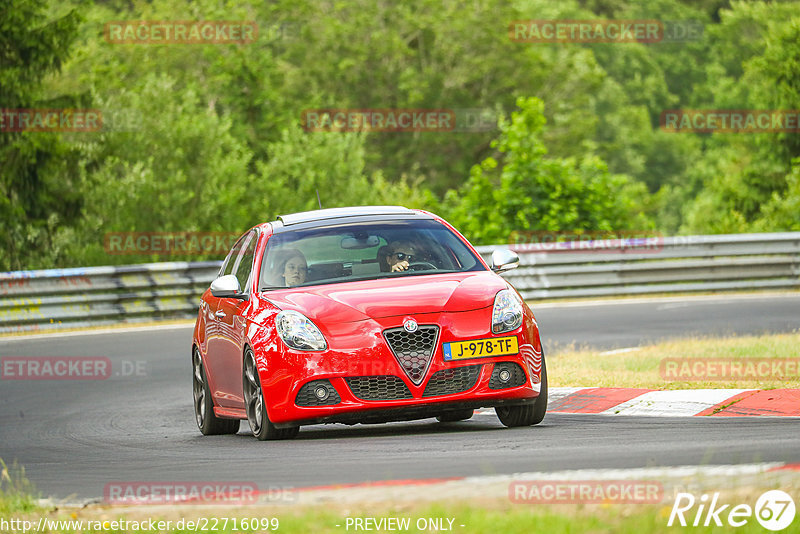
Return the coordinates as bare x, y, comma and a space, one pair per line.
527, 414
256, 409
208, 423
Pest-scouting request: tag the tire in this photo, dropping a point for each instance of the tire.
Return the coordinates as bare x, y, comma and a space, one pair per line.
254, 404
526, 414
208, 423
458, 415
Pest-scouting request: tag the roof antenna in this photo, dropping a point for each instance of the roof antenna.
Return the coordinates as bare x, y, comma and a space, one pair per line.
318, 200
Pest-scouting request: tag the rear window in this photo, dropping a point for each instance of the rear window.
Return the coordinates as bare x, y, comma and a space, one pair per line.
363, 251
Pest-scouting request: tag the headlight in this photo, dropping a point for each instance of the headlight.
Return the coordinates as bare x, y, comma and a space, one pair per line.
507, 312
298, 332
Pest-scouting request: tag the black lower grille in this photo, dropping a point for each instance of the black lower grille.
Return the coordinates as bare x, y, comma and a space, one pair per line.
307, 396
449, 381
383, 387
516, 376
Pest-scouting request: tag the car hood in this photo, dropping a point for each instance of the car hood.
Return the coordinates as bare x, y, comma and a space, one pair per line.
388, 297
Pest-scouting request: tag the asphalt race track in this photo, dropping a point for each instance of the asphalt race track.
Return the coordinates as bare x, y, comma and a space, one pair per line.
74, 437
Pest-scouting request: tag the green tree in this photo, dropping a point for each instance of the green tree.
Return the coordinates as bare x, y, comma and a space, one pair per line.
782, 211
302, 165
757, 62
39, 186
174, 170
525, 190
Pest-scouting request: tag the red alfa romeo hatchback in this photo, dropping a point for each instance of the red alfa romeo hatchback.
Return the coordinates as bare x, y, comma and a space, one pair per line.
362, 315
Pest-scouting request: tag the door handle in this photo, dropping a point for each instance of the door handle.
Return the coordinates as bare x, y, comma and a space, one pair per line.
220, 314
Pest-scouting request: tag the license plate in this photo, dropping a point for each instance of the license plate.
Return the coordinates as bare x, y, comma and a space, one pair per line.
480, 348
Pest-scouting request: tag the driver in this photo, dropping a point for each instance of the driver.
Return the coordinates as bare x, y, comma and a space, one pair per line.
398, 255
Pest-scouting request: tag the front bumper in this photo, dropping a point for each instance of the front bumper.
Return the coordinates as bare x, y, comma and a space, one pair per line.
359, 350
403, 413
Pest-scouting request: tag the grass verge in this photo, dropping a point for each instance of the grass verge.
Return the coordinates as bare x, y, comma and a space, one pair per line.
641, 368
487, 516
17, 495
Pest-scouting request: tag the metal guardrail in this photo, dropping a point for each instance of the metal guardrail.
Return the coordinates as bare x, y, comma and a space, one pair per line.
59, 298
69, 298
656, 265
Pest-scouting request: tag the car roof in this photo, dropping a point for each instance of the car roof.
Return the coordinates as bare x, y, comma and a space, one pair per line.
331, 216
338, 213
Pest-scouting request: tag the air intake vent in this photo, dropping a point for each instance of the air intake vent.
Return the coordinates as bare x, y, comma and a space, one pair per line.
317, 393
413, 350
449, 381
373, 388
506, 375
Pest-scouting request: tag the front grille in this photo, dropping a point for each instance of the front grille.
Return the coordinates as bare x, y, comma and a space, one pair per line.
517, 376
413, 350
449, 381
383, 387
307, 394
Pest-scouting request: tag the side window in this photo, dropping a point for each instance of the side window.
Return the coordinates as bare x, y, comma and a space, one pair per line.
245, 262
230, 260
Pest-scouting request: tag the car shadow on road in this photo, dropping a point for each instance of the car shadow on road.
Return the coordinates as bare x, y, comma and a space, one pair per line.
406, 428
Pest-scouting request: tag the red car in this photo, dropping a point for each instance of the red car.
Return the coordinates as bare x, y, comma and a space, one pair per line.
362, 315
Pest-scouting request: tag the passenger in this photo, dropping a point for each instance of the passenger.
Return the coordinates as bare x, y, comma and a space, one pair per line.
292, 268
397, 256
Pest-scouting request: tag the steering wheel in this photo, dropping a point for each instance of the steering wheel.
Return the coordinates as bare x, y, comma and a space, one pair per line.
421, 266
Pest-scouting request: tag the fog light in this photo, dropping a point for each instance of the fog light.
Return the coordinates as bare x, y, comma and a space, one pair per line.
504, 375
321, 392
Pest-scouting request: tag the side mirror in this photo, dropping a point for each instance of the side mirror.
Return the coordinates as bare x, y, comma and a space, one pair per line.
227, 287
504, 260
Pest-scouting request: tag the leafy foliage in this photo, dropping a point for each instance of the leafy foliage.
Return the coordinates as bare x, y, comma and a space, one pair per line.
526, 190
208, 137
39, 185
17, 493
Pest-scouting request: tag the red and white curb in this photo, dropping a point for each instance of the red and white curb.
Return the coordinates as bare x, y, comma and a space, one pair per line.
674, 403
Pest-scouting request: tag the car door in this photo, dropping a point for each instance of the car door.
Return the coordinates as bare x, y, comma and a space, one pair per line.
230, 316
215, 337
209, 303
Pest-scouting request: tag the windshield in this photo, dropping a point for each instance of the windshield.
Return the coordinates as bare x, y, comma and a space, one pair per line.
363, 251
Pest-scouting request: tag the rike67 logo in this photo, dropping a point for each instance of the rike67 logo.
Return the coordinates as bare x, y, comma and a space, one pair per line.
774, 510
